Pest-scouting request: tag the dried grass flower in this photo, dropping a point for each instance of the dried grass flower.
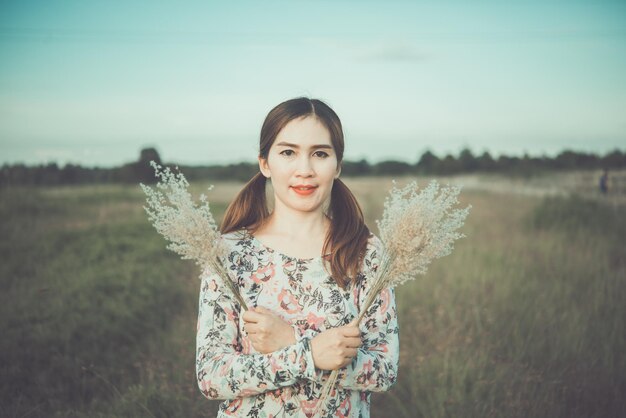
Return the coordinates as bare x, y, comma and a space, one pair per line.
416, 228
189, 227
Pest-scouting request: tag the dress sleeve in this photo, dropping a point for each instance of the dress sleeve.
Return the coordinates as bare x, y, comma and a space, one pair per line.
318, 375
222, 370
375, 367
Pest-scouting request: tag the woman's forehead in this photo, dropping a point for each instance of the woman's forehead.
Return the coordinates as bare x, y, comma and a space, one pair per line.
304, 132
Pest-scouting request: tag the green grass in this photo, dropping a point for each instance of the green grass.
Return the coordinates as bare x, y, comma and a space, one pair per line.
78, 305
524, 319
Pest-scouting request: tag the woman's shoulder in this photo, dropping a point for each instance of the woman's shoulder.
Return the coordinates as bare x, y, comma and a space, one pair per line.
372, 253
234, 235
374, 243
234, 240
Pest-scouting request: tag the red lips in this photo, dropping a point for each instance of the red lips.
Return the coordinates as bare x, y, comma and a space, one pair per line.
303, 189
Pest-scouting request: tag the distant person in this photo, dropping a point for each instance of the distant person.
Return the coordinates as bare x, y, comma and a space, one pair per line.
604, 182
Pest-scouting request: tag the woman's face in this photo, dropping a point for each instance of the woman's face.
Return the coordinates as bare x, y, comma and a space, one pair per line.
302, 165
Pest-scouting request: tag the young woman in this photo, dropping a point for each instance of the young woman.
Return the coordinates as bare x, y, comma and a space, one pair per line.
304, 270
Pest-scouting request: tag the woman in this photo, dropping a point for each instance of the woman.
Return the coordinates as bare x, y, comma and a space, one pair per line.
303, 269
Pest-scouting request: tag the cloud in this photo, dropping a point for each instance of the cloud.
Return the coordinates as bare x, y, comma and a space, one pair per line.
387, 51
382, 50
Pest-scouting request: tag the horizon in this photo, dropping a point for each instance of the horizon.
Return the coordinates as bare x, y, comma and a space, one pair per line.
372, 163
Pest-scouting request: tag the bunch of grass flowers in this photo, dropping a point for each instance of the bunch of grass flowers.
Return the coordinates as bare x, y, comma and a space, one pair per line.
189, 227
415, 229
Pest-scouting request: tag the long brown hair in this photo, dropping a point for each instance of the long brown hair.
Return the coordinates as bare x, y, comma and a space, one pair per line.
346, 240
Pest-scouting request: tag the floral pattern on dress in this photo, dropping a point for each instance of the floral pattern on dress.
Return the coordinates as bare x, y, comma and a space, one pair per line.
301, 291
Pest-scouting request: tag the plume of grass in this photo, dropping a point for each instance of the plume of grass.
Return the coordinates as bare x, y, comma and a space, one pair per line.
189, 227
416, 228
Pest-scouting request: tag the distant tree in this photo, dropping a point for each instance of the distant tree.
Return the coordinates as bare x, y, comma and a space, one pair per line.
71, 174
506, 163
485, 162
358, 168
48, 174
141, 171
392, 167
449, 165
614, 159
587, 160
149, 154
541, 163
242, 171
428, 163
134, 172
566, 159
15, 174
467, 162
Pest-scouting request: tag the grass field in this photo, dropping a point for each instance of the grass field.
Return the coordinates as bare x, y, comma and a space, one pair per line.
526, 318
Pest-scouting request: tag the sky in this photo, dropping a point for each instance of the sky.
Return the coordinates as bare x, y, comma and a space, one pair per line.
93, 82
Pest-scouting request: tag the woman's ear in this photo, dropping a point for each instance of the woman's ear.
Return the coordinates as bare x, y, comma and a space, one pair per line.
338, 171
264, 167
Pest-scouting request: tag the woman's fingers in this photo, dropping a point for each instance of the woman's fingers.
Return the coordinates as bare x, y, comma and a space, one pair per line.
353, 342
350, 353
349, 331
251, 316
250, 328
256, 314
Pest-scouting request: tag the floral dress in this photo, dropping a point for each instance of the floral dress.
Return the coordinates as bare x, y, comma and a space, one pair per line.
286, 383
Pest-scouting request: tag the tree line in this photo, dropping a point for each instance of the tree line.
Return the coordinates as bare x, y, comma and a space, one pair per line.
427, 164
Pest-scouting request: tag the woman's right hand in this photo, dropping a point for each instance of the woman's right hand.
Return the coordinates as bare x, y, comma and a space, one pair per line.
336, 347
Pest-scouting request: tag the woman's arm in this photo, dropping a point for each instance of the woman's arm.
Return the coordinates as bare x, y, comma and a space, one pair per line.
375, 367
223, 372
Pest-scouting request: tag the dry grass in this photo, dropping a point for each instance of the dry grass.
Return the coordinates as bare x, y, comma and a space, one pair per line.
524, 319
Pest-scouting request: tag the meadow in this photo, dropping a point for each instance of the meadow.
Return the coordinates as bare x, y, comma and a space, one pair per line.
526, 318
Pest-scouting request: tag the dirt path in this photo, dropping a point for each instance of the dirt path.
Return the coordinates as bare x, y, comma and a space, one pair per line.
583, 183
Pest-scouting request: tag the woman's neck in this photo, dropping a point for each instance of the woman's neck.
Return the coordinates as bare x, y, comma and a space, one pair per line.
300, 235
295, 225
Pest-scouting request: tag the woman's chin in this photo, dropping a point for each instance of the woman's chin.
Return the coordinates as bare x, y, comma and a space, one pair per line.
306, 206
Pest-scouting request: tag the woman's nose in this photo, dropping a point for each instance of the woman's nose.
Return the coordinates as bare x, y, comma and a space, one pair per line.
304, 168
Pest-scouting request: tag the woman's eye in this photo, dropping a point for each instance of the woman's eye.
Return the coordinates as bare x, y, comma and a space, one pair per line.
287, 152
320, 154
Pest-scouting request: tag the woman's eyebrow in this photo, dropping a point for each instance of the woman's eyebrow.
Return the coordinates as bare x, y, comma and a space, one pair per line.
289, 144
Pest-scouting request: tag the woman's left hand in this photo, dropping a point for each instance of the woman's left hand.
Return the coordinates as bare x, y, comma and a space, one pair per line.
267, 331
